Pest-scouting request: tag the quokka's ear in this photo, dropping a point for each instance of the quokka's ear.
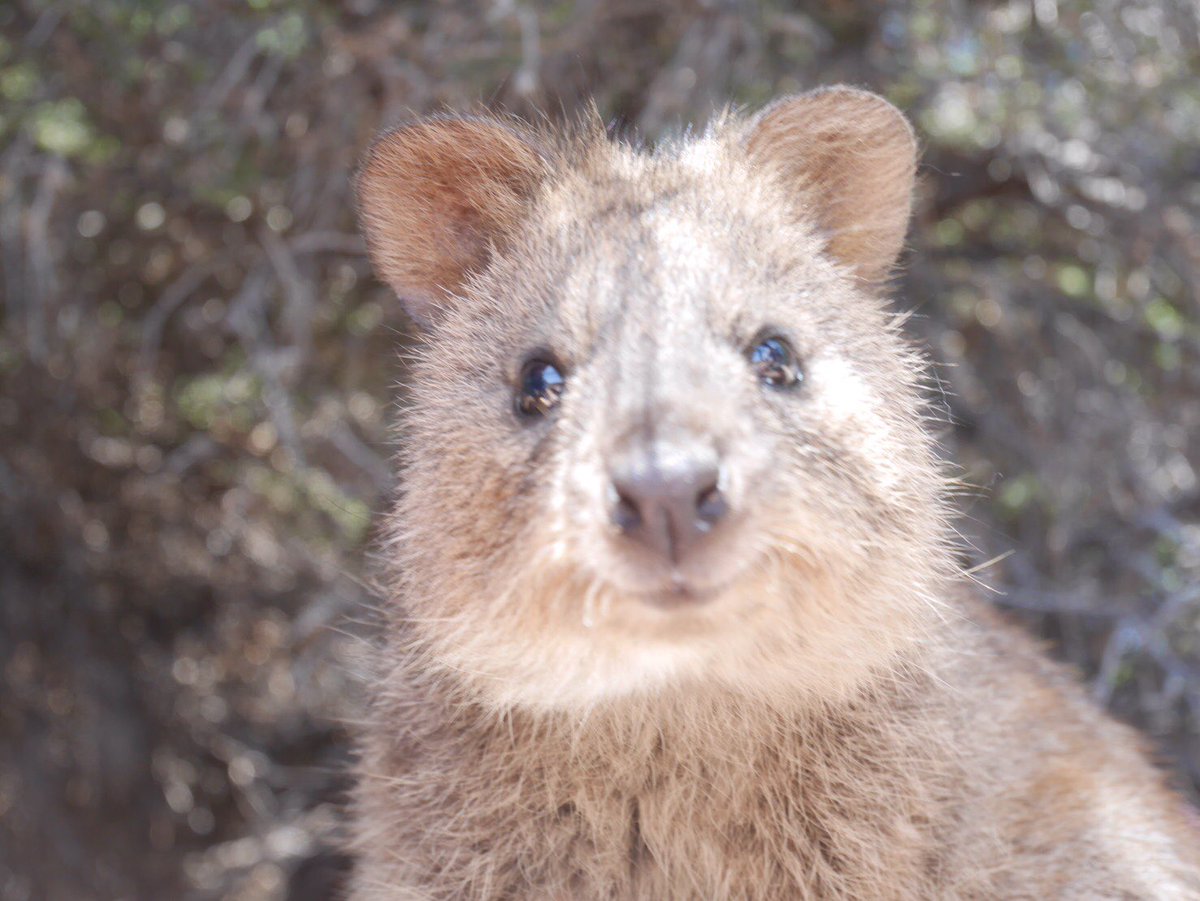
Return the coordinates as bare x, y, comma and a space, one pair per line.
849, 158
435, 197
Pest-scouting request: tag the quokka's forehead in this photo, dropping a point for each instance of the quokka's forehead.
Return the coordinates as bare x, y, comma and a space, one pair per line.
673, 227
677, 272
613, 181
668, 276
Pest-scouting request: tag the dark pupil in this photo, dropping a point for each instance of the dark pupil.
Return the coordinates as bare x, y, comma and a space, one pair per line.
541, 387
774, 363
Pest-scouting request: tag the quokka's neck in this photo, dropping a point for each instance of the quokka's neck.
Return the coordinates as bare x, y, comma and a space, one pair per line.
702, 731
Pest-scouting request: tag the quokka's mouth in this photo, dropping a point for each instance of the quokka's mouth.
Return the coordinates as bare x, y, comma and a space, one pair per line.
679, 593
693, 586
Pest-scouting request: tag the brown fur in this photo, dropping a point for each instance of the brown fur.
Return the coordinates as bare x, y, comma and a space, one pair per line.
839, 717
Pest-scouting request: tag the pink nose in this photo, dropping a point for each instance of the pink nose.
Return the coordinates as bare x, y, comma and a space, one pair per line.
667, 500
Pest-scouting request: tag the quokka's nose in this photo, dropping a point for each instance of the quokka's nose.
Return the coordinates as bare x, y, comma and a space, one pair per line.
667, 500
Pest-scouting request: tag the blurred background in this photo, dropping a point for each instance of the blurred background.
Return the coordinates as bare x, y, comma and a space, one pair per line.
198, 369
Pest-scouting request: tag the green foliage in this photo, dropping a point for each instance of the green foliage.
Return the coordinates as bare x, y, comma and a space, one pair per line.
61, 127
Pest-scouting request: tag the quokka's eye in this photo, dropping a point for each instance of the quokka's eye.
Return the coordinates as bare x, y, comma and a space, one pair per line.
775, 362
542, 385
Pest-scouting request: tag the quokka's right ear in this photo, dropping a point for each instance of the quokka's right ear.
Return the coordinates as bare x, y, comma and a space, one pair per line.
436, 197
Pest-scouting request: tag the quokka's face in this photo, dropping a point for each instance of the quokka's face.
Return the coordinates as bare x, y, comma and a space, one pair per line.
660, 434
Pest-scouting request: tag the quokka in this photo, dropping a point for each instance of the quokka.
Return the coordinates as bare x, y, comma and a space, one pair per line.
675, 610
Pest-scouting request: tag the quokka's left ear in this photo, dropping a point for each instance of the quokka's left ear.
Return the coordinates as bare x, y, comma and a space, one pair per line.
848, 158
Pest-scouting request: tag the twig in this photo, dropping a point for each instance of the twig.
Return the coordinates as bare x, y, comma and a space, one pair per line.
979, 567
40, 250
328, 242
11, 214
169, 301
300, 300
45, 25
234, 71
361, 455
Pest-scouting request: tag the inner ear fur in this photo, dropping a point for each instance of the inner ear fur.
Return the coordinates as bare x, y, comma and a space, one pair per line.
848, 157
435, 197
